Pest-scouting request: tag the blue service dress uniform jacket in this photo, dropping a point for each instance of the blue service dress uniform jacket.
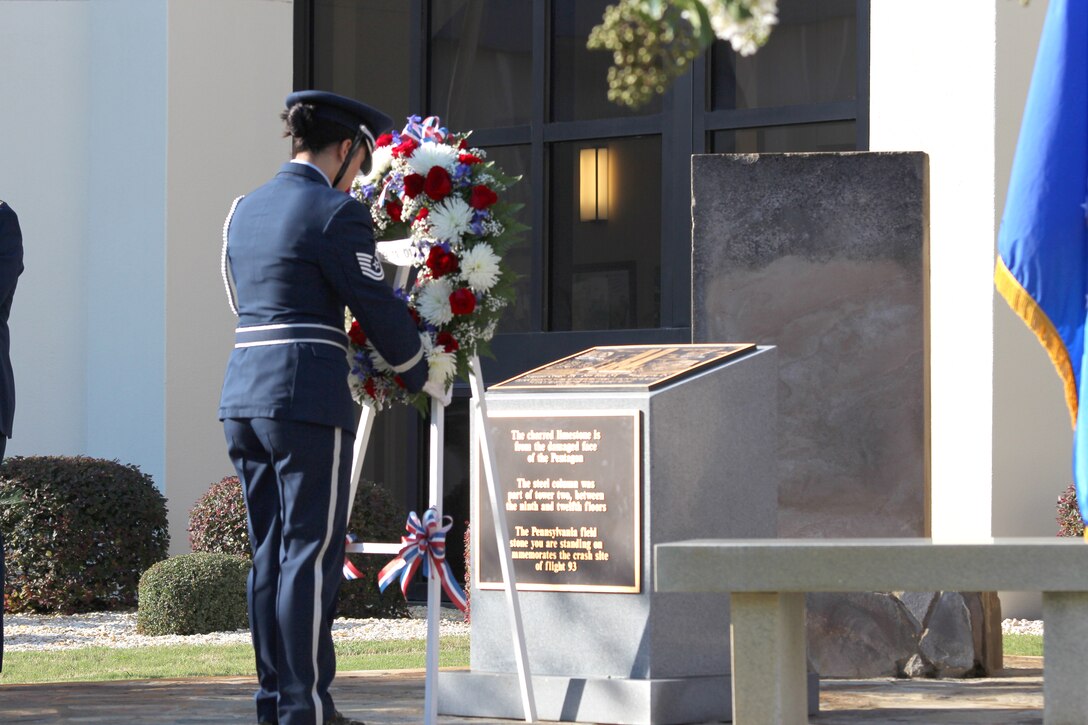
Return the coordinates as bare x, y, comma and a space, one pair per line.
299, 251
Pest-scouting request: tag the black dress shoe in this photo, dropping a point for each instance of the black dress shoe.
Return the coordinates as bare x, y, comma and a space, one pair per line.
338, 719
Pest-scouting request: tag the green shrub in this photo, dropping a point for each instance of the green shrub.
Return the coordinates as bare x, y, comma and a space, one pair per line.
80, 535
193, 594
1069, 520
217, 523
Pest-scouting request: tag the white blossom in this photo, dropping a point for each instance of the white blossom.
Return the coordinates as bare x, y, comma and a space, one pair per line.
380, 163
430, 154
441, 366
434, 302
746, 24
480, 267
450, 219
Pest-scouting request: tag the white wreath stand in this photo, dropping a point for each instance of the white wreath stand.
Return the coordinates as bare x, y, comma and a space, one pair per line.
396, 253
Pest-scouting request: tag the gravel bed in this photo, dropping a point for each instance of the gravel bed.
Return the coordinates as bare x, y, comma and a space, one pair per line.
1022, 626
25, 632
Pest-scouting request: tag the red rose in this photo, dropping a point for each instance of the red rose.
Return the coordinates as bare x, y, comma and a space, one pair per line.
413, 184
394, 209
469, 159
384, 140
423, 214
462, 145
368, 386
447, 341
438, 184
400, 381
482, 197
415, 316
356, 334
441, 262
405, 148
462, 301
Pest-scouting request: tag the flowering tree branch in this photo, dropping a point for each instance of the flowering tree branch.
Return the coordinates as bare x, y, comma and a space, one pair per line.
654, 41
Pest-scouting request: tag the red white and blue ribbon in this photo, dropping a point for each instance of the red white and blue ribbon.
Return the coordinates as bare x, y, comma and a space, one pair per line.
350, 570
429, 129
424, 548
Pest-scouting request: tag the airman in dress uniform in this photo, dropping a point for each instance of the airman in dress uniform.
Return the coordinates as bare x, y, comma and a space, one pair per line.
11, 266
298, 249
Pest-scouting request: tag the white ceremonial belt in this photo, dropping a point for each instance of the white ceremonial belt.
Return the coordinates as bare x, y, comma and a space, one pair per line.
289, 333
410, 364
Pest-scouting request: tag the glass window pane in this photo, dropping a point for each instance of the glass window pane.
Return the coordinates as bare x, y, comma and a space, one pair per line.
605, 252
579, 75
514, 160
811, 57
352, 40
836, 136
480, 62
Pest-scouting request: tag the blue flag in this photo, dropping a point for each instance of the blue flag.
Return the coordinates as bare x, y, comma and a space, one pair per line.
1042, 266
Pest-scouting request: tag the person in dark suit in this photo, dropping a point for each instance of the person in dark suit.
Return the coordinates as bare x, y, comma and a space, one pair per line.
296, 251
11, 266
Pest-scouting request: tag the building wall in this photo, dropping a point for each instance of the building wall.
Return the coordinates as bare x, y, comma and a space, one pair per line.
1032, 433
129, 127
230, 68
45, 175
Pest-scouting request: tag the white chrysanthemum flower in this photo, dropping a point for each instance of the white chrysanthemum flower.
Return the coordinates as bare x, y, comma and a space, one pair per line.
441, 366
450, 219
480, 267
431, 154
383, 159
433, 302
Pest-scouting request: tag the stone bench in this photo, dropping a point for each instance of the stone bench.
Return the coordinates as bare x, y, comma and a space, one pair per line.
768, 579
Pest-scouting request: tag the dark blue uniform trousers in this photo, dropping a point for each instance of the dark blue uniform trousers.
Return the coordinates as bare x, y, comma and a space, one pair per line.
295, 477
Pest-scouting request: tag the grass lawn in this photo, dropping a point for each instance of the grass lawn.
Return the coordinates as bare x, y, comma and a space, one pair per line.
101, 663
1023, 644
138, 663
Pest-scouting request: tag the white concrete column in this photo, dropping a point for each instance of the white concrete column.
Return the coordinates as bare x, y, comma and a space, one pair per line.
229, 70
932, 90
767, 642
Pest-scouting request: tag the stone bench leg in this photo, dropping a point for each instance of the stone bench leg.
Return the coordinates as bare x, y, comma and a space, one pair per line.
768, 650
1065, 655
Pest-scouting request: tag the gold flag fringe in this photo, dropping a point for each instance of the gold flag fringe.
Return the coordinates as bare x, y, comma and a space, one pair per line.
1037, 320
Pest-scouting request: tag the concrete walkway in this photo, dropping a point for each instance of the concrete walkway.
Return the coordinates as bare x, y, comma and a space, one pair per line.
395, 698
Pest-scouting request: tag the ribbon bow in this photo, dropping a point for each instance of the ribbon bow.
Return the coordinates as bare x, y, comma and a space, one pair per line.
425, 546
428, 129
350, 570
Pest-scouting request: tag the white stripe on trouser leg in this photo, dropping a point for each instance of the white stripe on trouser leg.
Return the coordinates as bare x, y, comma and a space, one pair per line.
319, 578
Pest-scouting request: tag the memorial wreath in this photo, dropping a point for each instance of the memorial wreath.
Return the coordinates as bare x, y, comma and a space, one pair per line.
443, 200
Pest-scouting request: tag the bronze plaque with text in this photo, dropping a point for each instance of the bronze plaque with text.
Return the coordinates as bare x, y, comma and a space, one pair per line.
624, 367
570, 485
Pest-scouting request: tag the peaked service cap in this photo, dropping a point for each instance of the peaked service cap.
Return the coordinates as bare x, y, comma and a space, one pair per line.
342, 110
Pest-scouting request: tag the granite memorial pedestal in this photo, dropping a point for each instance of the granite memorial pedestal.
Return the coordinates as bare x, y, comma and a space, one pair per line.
666, 462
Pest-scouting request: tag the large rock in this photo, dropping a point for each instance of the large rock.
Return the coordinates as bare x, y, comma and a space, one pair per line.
898, 634
859, 635
948, 641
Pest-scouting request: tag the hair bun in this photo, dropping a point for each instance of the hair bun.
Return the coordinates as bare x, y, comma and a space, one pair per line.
300, 120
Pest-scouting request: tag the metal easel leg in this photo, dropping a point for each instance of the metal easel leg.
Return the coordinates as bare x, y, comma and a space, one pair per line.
362, 438
434, 586
479, 412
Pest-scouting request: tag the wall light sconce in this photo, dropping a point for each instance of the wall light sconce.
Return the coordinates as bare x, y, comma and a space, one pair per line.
593, 184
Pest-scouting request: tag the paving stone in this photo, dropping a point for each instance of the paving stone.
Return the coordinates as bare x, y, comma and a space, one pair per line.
395, 698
